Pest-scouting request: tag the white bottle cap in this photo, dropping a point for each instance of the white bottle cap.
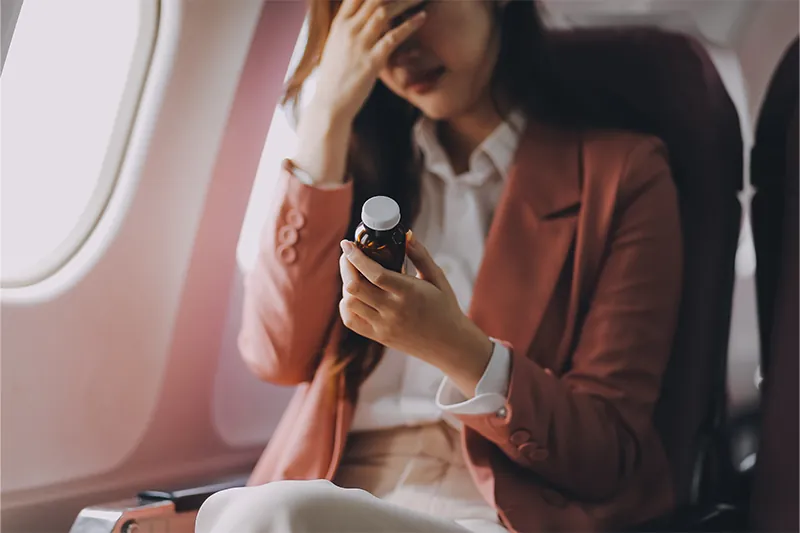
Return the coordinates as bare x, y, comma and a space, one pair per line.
380, 213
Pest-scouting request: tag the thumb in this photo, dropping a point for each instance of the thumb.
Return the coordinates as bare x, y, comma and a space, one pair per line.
427, 268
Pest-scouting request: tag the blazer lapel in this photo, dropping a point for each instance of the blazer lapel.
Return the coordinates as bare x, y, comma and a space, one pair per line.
530, 237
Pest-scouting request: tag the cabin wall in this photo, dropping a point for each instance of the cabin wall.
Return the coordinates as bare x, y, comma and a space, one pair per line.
108, 364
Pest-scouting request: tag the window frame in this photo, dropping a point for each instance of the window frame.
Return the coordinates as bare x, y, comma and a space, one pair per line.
116, 153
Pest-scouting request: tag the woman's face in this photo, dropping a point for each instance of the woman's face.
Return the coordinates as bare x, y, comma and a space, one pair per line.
445, 68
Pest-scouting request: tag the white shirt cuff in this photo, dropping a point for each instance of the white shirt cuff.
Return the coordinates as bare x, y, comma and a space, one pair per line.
490, 393
305, 178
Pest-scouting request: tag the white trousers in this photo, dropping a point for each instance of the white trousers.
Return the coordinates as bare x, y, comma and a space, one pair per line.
405, 480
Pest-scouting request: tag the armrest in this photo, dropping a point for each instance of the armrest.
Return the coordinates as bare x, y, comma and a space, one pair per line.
709, 518
191, 498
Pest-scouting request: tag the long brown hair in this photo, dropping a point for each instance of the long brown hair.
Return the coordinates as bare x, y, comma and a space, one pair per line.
382, 160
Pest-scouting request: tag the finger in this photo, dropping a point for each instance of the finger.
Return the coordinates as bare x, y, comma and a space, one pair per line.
366, 11
396, 7
381, 19
427, 268
375, 273
395, 37
376, 26
357, 307
360, 287
349, 8
354, 321
349, 273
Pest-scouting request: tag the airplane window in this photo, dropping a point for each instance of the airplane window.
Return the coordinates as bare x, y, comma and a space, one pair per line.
70, 87
9, 11
280, 142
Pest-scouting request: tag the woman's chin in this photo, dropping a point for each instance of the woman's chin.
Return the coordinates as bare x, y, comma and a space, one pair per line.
437, 107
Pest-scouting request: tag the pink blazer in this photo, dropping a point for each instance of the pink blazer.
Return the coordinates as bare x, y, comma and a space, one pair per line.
581, 276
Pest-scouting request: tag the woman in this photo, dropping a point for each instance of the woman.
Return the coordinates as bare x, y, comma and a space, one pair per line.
522, 363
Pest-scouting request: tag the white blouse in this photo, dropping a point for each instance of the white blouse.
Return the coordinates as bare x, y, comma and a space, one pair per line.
456, 212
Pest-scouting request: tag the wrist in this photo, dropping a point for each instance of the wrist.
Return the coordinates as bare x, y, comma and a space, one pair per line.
335, 118
323, 140
469, 355
323, 129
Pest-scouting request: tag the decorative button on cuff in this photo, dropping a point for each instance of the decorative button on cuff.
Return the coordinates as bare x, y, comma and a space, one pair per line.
287, 235
287, 254
295, 218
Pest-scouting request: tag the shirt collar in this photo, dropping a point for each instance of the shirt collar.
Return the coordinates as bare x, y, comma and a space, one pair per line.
495, 153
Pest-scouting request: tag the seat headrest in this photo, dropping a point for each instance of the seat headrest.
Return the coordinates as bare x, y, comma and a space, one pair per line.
769, 151
655, 82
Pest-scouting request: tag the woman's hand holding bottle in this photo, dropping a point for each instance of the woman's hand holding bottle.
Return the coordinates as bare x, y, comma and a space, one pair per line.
419, 316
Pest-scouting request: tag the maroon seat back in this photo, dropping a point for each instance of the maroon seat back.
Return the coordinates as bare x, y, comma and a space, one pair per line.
774, 505
768, 176
665, 84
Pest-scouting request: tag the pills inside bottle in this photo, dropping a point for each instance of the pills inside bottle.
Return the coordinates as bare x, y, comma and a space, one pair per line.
380, 235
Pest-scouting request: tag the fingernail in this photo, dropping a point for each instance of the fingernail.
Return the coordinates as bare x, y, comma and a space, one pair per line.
410, 238
347, 247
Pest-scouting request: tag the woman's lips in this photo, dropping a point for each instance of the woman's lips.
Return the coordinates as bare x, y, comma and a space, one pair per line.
424, 82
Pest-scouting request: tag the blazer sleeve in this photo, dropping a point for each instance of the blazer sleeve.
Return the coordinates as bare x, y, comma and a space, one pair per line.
583, 431
290, 296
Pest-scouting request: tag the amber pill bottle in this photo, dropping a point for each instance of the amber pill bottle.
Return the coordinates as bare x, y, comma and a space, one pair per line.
380, 235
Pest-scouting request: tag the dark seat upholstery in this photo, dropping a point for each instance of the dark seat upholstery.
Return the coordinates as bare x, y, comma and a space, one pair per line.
768, 176
665, 84
774, 504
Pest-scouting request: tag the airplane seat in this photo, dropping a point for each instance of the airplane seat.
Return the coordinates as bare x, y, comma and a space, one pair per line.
663, 83
768, 175
774, 496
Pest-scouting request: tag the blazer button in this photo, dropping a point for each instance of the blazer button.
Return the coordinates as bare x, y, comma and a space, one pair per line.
295, 218
519, 437
287, 235
527, 448
540, 454
554, 498
532, 451
287, 254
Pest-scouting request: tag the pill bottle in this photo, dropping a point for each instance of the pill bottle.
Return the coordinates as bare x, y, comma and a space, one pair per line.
380, 235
